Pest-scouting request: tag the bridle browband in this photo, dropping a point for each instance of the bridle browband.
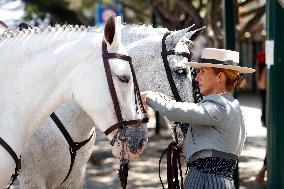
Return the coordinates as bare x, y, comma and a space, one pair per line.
121, 123
173, 158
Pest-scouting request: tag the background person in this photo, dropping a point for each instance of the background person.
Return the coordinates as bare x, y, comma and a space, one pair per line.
261, 74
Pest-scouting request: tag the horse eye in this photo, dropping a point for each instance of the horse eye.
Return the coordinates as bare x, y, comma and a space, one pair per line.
181, 71
123, 78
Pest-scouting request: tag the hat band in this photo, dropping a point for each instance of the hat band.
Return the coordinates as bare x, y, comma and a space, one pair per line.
214, 61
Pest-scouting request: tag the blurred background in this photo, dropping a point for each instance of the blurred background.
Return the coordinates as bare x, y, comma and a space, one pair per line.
244, 22
249, 19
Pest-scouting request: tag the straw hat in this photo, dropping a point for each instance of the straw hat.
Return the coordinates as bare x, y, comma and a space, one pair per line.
220, 58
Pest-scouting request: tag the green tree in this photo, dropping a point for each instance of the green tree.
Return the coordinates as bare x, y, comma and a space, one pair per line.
173, 14
61, 11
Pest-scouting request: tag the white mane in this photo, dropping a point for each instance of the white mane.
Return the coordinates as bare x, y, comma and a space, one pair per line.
16, 32
38, 40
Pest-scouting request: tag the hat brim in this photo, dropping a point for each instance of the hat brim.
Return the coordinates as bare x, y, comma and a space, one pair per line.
239, 69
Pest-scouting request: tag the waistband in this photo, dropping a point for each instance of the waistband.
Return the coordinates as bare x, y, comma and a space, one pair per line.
220, 166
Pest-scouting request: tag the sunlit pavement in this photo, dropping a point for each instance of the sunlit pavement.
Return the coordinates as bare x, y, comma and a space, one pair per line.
143, 174
254, 151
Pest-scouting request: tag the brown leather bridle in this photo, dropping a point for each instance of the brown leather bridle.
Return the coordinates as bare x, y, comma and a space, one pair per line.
121, 123
173, 157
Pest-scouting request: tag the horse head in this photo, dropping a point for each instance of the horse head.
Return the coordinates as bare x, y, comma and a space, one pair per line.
166, 73
117, 111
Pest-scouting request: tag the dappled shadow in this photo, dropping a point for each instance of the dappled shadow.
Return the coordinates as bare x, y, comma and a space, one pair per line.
144, 173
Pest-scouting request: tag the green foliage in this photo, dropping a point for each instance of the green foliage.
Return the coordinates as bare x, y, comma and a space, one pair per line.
59, 10
40, 7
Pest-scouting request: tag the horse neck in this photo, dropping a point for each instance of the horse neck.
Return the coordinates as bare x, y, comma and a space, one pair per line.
37, 83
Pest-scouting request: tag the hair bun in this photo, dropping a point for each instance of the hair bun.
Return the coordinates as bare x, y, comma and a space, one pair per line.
240, 81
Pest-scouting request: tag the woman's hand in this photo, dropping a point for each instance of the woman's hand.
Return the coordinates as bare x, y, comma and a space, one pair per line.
179, 147
143, 97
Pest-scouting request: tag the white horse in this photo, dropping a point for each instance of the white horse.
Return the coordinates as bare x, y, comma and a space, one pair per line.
41, 69
49, 147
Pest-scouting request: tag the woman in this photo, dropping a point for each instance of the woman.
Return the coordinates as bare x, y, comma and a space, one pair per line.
217, 134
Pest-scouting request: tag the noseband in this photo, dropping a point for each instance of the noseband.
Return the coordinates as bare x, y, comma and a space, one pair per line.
121, 123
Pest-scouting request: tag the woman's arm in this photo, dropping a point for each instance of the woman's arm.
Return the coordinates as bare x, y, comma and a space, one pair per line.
205, 113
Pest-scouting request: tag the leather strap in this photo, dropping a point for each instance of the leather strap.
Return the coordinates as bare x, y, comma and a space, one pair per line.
120, 122
15, 157
164, 54
173, 167
115, 102
73, 146
173, 157
123, 171
129, 122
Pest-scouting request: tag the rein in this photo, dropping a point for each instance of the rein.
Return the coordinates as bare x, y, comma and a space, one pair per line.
173, 157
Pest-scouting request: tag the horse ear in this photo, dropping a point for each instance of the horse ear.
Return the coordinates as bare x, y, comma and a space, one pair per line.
112, 30
3, 26
109, 29
175, 36
192, 35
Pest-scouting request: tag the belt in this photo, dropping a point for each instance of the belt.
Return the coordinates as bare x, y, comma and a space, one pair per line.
212, 153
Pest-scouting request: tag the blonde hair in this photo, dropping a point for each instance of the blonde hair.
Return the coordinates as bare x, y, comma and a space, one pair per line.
233, 79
